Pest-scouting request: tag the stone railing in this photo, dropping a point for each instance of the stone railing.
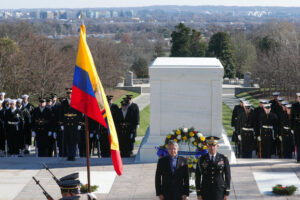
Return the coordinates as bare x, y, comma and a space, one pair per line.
140, 81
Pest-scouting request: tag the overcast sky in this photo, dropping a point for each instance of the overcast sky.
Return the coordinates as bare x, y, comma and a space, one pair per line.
16, 4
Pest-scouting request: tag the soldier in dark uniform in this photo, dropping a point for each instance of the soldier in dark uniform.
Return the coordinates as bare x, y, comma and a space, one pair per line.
41, 127
70, 125
245, 131
53, 126
134, 111
28, 125
295, 115
56, 131
2, 97
212, 173
13, 125
267, 131
172, 175
274, 102
257, 112
2, 133
235, 113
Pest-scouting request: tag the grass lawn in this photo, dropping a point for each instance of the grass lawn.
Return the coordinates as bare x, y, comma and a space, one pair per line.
227, 113
144, 121
249, 97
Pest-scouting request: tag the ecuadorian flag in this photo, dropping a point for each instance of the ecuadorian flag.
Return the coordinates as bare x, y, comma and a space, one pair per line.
89, 98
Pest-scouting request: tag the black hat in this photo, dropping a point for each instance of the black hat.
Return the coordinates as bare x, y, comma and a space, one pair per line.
212, 140
42, 100
53, 95
71, 186
129, 96
48, 99
73, 176
124, 102
109, 97
70, 198
69, 90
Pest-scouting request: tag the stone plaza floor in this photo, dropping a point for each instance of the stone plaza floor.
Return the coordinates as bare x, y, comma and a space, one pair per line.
137, 181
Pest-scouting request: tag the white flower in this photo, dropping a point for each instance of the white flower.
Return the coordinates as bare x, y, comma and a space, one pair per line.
179, 137
199, 134
171, 133
192, 139
185, 130
200, 145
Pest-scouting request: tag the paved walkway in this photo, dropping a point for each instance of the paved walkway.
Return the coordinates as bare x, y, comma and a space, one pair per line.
142, 100
230, 100
136, 183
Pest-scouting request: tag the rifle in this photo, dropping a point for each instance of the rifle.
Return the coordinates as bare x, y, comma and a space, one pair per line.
53, 176
98, 145
259, 143
56, 149
36, 148
44, 191
6, 148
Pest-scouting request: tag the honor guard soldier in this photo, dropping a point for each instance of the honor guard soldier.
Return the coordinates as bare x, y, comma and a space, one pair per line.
70, 126
2, 97
267, 132
212, 173
28, 126
296, 125
134, 113
245, 131
14, 125
52, 127
2, 133
26, 129
56, 132
286, 137
41, 127
235, 113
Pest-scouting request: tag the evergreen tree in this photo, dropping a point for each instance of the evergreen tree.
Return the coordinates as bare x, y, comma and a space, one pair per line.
221, 47
197, 46
180, 41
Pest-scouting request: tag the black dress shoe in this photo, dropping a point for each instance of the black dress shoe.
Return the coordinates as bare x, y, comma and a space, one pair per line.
26, 152
71, 159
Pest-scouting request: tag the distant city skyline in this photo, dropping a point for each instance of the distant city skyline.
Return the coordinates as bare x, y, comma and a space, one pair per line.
18, 4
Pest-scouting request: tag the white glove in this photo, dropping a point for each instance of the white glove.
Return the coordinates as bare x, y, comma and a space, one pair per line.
131, 135
280, 138
258, 138
54, 135
233, 128
138, 126
91, 135
91, 196
49, 133
33, 134
292, 131
240, 137
79, 127
97, 136
62, 128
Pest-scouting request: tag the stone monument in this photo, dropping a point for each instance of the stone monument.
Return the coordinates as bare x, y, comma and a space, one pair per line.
185, 92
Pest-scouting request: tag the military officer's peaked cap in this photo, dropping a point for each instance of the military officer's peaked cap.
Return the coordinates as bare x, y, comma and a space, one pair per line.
7, 100
263, 101
70, 186
42, 100
247, 104
297, 94
19, 100
276, 93
109, 97
48, 99
12, 100
73, 176
2, 93
267, 105
129, 96
212, 140
25, 96
280, 99
53, 95
242, 100
284, 102
70, 198
69, 90
288, 105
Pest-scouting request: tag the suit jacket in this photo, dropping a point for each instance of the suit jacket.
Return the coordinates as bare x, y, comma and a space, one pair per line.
172, 185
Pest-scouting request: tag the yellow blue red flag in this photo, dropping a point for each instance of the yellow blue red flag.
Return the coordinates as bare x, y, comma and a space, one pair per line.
88, 97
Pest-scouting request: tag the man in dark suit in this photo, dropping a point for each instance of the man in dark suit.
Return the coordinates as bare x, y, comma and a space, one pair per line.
172, 175
134, 111
295, 120
213, 173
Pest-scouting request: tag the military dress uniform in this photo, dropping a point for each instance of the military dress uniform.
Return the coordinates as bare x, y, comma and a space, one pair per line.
287, 138
41, 127
295, 118
70, 122
2, 133
267, 133
28, 125
245, 130
213, 176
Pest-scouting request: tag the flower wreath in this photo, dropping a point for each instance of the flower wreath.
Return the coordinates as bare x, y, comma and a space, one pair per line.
191, 137
287, 190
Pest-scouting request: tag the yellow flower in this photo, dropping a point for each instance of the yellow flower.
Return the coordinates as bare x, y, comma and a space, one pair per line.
169, 136
191, 134
178, 132
196, 160
166, 146
184, 138
202, 139
204, 147
195, 143
190, 165
175, 140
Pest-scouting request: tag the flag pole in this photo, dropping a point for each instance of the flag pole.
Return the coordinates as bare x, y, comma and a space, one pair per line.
87, 138
87, 141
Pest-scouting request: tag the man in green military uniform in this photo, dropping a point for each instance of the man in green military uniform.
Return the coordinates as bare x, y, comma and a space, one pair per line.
213, 173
